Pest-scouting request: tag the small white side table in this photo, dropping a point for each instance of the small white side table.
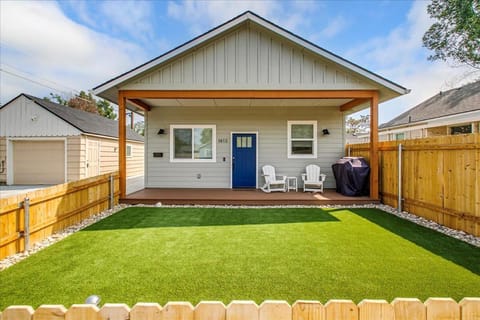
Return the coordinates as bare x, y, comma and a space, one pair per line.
292, 184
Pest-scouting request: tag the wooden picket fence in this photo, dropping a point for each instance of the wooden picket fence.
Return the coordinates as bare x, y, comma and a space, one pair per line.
440, 178
53, 209
399, 309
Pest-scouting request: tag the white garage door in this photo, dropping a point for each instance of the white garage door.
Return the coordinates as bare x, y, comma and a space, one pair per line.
38, 162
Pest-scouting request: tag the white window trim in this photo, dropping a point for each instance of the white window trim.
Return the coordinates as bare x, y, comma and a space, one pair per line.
186, 126
289, 140
131, 151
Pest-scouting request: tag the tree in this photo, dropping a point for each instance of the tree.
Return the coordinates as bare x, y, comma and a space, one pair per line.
105, 109
456, 33
139, 127
358, 125
85, 102
56, 98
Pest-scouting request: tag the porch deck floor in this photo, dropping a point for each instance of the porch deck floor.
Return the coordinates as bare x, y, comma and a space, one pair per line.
175, 196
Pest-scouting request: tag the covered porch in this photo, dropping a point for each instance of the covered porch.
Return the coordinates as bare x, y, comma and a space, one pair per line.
251, 78
240, 197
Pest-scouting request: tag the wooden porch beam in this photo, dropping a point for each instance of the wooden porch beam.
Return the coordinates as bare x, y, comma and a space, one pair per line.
374, 163
248, 94
354, 103
122, 144
140, 104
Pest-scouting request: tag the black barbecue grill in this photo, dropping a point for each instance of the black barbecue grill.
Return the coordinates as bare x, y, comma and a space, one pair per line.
352, 176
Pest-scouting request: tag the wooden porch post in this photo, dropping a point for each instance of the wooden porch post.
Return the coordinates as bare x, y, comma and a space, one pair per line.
374, 163
122, 143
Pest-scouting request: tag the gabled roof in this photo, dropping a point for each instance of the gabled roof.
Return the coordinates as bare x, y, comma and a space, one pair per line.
448, 103
231, 24
86, 122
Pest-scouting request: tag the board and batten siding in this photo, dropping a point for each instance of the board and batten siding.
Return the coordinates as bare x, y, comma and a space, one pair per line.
269, 122
249, 57
32, 120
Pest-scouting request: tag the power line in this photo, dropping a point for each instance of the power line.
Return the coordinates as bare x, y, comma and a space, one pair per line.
38, 81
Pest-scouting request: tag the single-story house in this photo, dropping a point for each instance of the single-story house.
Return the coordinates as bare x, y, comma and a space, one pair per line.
42, 142
456, 111
242, 95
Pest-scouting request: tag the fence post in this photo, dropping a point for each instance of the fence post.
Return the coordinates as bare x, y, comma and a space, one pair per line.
26, 209
399, 206
112, 192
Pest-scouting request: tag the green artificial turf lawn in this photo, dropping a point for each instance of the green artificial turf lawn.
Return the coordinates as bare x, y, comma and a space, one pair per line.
192, 254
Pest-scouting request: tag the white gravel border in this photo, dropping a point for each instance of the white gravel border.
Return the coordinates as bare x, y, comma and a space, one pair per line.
13, 259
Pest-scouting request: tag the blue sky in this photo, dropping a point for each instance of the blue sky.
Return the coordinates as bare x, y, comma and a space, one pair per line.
50, 46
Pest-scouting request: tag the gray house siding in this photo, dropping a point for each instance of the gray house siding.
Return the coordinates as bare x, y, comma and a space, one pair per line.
269, 122
248, 57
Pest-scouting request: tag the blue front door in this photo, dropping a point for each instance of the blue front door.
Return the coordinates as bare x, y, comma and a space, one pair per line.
244, 160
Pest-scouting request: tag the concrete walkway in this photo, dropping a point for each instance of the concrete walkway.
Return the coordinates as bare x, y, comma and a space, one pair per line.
8, 191
133, 184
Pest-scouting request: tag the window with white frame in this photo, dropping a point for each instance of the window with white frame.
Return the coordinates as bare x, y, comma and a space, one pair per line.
302, 139
192, 143
128, 151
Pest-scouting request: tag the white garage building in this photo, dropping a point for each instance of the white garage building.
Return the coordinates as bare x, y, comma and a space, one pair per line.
47, 143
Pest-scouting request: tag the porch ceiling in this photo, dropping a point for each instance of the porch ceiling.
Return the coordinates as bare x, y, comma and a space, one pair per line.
245, 102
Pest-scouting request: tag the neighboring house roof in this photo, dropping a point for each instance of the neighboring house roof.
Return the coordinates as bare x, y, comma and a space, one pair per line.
248, 16
86, 122
452, 102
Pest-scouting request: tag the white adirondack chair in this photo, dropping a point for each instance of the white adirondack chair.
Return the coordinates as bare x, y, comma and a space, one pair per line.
272, 181
313, 179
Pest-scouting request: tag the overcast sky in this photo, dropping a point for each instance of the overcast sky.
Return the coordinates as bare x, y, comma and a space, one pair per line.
61, 46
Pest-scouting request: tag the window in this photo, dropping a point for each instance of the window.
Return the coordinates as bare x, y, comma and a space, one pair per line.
192, 143
244, 142
302, 139
461, 129
400, 136
129, 150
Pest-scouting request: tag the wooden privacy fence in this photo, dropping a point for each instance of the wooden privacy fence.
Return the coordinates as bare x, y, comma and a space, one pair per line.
399, 309
439, 178
52, 209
